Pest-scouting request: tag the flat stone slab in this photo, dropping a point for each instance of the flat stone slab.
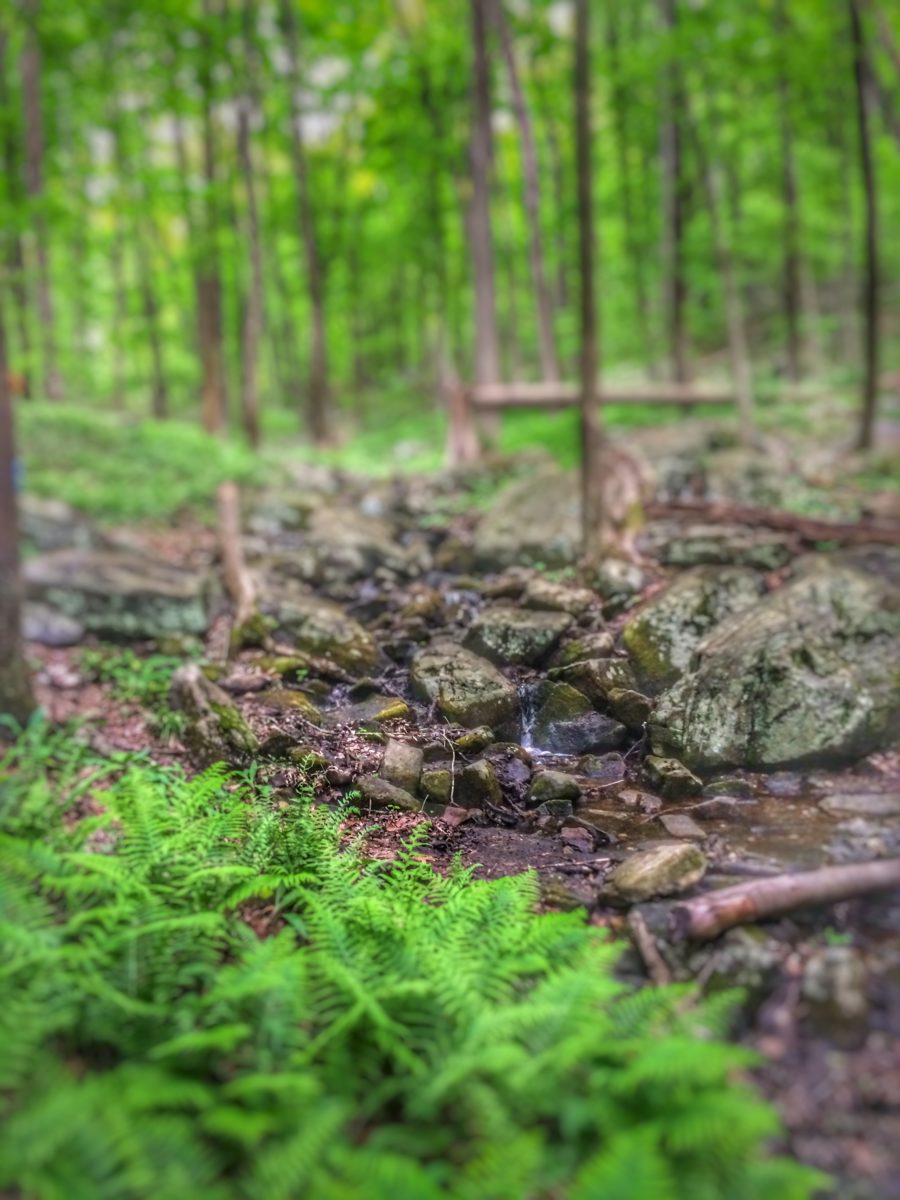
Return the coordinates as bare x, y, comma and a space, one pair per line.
863, 804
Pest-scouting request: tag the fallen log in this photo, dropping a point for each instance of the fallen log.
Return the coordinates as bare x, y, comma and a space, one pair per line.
705, 917
809, 529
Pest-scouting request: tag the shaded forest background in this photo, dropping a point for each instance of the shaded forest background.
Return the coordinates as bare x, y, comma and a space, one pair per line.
284, 215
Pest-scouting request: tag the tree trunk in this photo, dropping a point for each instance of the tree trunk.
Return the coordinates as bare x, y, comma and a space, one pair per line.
15, 258
16, 699
251, 325
532, 198
34, 180
120, 313
870, 298
487, 342
673, 190
791, 230
591, 514
318, 398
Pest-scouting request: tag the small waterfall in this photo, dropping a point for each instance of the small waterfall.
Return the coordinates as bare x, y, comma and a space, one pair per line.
528, 702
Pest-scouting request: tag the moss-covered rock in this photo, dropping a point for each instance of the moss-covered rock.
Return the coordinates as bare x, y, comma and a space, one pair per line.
665, 870
553, 785
376, 792
286, 700
465, 688
516, 635
533, 520
477, 786
321, 628
566, 723
214, 730
670, 778
402, 765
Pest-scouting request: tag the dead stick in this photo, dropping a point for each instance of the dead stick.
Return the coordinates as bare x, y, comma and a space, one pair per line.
707, 916
809, 528
234, 570
656, 965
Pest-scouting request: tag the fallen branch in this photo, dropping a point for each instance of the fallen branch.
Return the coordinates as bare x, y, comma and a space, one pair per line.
645, 942
237, 579
810, 529
705, 917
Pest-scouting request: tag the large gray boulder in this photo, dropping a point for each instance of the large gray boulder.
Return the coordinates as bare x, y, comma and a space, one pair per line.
118, 595
662, 636
465, 688
533, 520
516, 635
810, 674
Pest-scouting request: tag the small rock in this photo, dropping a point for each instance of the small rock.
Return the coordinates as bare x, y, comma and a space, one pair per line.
680, 825
555, 806
477, 786
596, 678
566, 723
729, 785
553, 785
541, 592
583, 648
666, 870
630, 707
835, 986
670, 778
378, 793
578, 838
308, 757
516, 635
43, 624
604, 768
286, 700
437, 785
466, 689
474, 740
402, 765
863, 804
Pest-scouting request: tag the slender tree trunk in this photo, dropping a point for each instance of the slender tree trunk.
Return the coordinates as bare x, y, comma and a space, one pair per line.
318, 399
16, 699
870, 297
673, 190
15, 257
251, 326
591, 513
487, 342
791, 288
532, 197
34, 179
120, 313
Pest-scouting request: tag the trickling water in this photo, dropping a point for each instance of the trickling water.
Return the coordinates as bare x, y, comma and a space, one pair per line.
528, 704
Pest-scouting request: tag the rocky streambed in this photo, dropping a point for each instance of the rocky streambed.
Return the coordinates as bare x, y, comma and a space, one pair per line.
725, 707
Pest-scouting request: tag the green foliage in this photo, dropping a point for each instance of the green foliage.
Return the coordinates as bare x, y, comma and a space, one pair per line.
137, 679
396, 1033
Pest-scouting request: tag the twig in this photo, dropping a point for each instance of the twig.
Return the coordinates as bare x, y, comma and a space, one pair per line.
645, 942
809, 529
707, 916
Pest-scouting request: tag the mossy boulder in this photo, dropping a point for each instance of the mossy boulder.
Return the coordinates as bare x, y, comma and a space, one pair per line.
670, 778
567, 723
214, 730
402, 764
665, 870
376, 792
322, 628
810, 675
477, 786
547, 594
663, 635
286, 700
516, 635
553, 785
585, 646
596, 678
466, 689
532, 520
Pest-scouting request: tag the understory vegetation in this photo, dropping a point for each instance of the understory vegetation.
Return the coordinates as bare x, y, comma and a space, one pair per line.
210, 992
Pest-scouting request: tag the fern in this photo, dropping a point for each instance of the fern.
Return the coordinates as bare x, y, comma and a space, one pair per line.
399, 1034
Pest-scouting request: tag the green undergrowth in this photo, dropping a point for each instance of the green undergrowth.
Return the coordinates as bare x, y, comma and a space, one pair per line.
207, 993
137, 679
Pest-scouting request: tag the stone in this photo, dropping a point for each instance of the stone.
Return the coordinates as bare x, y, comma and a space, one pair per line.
596, 678
566, 723
378, 793
402, 764
543, 593
730, 785
862, 804
437, 785
43, 624
374, 708
670, 778
474, 740
320, 627
466, 689
809, 676
619, 581
602, 768
118, 595
477, 785
48, 524
516, 636
681, 825
632, 708
664, 633
835, 988
533, 520
214, 730
553, 785
599, 644
673, 544
286, 700
666, 870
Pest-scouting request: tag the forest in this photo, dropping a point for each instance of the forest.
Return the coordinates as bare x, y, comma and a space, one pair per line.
449, 599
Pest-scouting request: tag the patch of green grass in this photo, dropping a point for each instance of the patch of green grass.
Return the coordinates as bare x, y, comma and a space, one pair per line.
395, 1035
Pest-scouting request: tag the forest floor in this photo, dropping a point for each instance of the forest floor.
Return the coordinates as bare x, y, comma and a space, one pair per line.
426, 645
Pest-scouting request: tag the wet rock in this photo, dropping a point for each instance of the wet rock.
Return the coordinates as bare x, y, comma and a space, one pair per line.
376, 708
477, 786
599, 644
809, 674
516, 635
437, 785
378, 793
729, 785
118, 595
596, 678
543, 593
630, 707
402, 765
320, 627
475, 740
602, 768
666, 870
532, 520
567, 724
214, 730
467, 690
681, 825
43, 624
553, 785
662, 636
862, 804
676, 545
670, 778
285, 700
835, 988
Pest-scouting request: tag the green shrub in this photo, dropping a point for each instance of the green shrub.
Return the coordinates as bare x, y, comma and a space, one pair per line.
396, 1034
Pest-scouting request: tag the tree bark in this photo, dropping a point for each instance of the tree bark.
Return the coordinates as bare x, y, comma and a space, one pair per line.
591, 514
791, 291
481, 248
15, 258
673, 190
251, 324
532, 199
870, 297
34, 182
318, 398
16, 698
